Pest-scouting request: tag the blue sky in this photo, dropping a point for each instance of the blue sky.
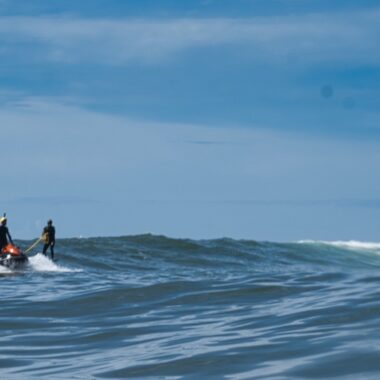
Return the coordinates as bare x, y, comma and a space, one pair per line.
245, 118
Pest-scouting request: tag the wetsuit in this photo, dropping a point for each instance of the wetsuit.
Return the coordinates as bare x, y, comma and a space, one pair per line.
4, 235
49, 233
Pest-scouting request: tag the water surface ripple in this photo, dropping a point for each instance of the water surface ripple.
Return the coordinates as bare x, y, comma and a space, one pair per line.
150, 307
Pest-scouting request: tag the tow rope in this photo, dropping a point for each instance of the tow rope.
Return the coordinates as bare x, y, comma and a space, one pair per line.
34, 244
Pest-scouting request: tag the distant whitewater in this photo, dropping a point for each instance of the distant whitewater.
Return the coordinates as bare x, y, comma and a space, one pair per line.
151, 307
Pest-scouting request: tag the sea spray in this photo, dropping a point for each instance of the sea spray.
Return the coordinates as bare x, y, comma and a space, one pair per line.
41, 263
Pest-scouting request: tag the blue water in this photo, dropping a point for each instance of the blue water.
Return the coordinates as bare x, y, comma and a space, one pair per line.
150, 307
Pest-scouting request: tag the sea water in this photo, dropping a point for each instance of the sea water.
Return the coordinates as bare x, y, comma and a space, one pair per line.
151, 307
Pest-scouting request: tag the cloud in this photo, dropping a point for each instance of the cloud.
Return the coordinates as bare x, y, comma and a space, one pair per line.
338, 202
323, 37
61, 149
51, 200
213, 142
59, 157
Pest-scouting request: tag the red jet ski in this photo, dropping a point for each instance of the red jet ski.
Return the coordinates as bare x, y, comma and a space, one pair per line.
12, 257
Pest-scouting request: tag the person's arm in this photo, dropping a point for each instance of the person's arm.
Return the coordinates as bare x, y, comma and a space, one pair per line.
9, 237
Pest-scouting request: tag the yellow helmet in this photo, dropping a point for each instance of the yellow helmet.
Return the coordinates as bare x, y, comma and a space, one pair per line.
3, 219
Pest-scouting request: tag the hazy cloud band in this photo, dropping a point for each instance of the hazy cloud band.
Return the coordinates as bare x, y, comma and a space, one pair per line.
316, 38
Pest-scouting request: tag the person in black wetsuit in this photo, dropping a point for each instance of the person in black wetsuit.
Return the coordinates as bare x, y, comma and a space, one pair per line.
49, 237
4, 233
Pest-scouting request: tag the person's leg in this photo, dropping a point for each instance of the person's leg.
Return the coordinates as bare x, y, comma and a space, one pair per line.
45, 249
52, 251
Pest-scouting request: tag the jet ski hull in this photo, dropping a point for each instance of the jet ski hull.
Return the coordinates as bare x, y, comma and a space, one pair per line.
13, 262
12, 257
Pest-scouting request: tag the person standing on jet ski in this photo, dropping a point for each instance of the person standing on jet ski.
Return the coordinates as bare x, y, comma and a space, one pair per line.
49, 237
4, 233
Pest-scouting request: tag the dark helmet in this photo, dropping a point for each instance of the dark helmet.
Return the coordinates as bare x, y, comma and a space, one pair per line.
49, 222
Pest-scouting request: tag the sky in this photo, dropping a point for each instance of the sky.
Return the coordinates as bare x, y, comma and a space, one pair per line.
249, 119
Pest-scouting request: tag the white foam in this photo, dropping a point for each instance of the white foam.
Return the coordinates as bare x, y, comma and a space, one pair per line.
4, 270
351, 244
42, 263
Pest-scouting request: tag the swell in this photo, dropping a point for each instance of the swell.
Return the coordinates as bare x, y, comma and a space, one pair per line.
150, 306
150, 252
166, 328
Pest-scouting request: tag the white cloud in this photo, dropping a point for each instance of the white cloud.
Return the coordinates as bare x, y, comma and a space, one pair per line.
310, 38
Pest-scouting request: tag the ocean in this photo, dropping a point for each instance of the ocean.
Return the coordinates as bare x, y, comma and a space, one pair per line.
151, 307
